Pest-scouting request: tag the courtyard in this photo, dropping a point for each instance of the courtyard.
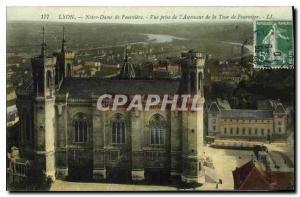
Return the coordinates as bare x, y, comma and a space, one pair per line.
224, 160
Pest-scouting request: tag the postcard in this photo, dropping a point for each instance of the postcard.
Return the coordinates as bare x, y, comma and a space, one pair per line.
150, 99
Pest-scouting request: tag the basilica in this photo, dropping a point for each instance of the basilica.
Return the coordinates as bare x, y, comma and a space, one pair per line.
64, 134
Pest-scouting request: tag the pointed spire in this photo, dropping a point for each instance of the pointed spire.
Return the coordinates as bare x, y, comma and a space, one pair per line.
125, 63
63, 41
125, 55
127, 69
44, 43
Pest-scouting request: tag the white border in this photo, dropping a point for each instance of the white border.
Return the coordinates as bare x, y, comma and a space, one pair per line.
5, 3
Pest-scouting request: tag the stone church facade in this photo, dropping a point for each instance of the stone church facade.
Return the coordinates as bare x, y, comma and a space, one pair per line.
64, 134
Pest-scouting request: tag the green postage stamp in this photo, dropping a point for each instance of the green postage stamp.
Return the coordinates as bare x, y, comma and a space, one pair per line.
273, 44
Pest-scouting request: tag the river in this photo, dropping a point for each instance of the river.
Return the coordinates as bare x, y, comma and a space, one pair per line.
161, 38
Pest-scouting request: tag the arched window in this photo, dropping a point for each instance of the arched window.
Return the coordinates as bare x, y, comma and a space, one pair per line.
48, 79
118, 130
192, 82
80, 128
49, 82
157, 130
68, 70
200, 81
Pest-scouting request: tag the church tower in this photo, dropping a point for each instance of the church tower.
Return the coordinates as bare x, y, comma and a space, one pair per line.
127, 70
192, 68
43, 72
192, 65
65, 61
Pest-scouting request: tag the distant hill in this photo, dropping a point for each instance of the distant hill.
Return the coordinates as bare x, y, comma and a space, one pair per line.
207, 37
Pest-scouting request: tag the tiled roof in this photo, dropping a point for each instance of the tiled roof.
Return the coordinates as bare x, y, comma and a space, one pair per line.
283, 180
270, 105
251, 176
223, 104
214, 107
85, 87
279, 108
247, 114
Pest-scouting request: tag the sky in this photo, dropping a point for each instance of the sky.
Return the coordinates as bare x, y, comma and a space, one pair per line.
146, 15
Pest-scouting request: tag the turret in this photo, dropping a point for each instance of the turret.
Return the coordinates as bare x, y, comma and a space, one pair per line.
65, 61
43, 72
280, 120
192, 68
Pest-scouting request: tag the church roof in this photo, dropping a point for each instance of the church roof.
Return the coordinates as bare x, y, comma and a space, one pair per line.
85, 87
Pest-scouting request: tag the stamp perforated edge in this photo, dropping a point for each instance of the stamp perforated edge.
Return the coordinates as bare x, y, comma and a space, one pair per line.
254, 42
